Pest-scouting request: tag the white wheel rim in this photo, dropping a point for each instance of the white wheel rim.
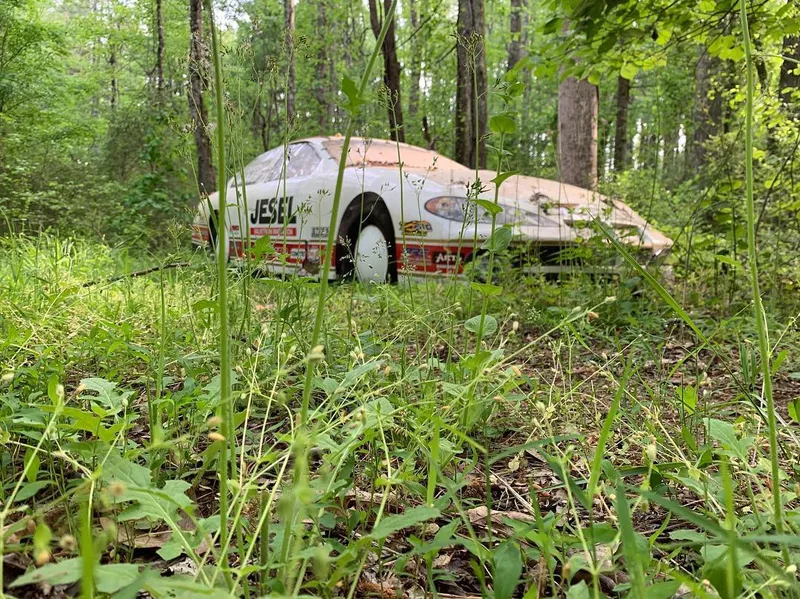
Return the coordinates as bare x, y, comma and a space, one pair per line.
372, 256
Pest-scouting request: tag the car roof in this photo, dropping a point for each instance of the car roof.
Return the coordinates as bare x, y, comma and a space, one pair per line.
385, 153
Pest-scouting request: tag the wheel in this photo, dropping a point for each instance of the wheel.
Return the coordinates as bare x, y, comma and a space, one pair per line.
212, 234
371, 256
366, 252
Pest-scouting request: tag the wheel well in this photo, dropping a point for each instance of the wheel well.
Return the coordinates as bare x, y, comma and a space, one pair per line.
369, 208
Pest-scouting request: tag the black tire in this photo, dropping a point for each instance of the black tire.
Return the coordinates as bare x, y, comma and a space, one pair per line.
369, 209
476, 266
212, 237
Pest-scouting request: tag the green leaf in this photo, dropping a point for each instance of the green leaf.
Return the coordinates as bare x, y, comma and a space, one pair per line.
107, 394
578, 591
552, 25
707, 5
118, 469
594, 78
502, 124
262, 247
111, 578
499, 240
30, 489
150, 502
630, 546
794, 409
688, 397
732, 262
350, 90
205, 304
486, 289
726, 435
407, 519
31, 464
499, 179
628, 71
507, 570
474, 323
489, 206
662, 590
68, 571
687, 534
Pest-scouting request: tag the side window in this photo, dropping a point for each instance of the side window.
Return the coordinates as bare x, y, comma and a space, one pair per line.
301, 161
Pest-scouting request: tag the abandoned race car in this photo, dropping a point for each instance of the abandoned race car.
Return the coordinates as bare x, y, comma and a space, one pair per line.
406, 210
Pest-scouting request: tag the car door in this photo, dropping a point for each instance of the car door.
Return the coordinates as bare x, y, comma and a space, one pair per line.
279, 206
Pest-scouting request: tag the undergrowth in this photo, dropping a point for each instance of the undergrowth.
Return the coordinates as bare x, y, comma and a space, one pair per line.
566, 454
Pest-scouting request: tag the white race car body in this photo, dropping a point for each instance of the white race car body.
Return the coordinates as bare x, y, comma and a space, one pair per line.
416, 204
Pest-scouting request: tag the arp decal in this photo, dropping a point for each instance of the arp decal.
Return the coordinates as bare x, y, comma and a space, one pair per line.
418, 228
271, 211
444, 260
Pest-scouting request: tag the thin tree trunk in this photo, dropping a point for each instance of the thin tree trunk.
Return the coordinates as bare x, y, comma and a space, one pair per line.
708, 108
577, 132
288, 28
321, 84
112, 63
197, 83
415, 70
470, 125
602, 148
621, 143
515, 46
789, 81
670, 154
160, 48
391, 68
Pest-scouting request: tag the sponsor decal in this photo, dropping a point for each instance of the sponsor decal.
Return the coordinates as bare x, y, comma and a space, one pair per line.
444, 260
419, 228
200, 233
273, 231
270, 211
414, 255
319, 232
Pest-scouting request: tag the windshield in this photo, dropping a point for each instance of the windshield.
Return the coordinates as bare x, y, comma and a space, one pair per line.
301, 160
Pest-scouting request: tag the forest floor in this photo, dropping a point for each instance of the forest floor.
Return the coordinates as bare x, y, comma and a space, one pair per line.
590, 446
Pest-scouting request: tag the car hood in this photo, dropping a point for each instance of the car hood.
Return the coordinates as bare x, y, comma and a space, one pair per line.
568, 205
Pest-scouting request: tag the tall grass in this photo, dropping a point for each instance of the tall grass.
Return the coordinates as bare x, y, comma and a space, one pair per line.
226, 465
759, 315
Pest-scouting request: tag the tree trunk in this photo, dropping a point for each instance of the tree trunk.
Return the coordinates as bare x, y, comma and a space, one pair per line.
288, 29
577, 132
708, 108
391, 68
515, 46
321, 84
160, 48
112, 64
415, 70
621, 143
789, 82
197, 82
470, 125
671, 135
